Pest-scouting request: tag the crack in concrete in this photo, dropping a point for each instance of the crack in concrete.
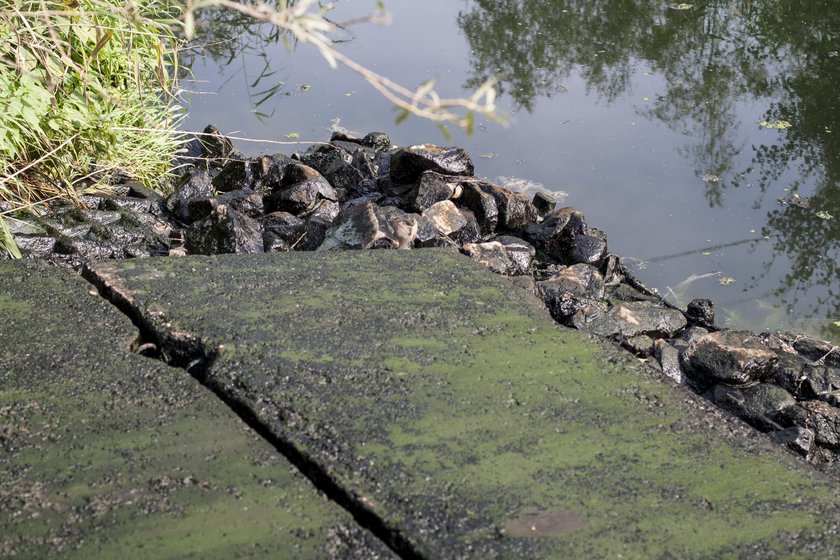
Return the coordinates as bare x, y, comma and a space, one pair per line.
191, 355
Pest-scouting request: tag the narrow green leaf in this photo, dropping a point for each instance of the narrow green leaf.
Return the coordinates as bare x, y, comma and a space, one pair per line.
7, 242
402, 116
101, 43
445, 132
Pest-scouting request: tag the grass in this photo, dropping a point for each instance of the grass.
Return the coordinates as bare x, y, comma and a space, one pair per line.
89, 91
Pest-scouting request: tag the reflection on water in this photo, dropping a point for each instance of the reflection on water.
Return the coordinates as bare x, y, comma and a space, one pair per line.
713, 56
675, 128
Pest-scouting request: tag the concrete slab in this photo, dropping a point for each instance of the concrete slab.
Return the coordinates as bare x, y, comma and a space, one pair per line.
447, 403
106, 454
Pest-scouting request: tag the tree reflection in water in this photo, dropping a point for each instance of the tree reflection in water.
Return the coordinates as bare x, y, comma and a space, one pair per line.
712, 56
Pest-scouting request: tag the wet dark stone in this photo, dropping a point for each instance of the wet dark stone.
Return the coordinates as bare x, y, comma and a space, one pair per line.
216, 148
35, 245
566, 307
318, 221
668, 356
300, 191
339, 136
482, 205
779, 342
761, 404
832, 397
266, 174
407, 164
562, 220
373, 197
641, 345
572, 290
196, 185
690, 334
360, 227
581, 280
368, 170
100, 234
245, 201
433, 188
90, 201
520, 251
494, 255
555, 235
404, 225
103, 217
154, 224
544, 203
262, 174
282, 232
133, 205
137, 240
818, 350
806, 381
349, 147
69, 222
139, 190
429, 236
382, 164
701, 312
377, 140
398, 201
88, 249
729, 357
626, 320
611, 269
818, 416
586, 249
457, 224
224, 231
796, 438
336, 165
236, 174
625, 292
514, 209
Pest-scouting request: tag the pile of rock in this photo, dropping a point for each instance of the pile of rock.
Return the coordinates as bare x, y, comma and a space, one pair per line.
364, 193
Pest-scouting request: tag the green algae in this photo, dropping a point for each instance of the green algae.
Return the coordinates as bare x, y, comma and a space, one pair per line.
10, 305
111, 455
450, 403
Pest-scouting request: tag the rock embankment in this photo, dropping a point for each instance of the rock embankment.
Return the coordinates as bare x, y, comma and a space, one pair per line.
364, 193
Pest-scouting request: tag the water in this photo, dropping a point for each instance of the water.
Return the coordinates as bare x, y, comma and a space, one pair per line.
675, 130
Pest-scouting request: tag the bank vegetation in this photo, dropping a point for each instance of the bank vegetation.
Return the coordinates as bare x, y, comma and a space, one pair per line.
90, 91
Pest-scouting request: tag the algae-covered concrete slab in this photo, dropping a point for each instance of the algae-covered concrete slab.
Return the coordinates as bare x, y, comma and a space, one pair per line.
106, 454
446, 402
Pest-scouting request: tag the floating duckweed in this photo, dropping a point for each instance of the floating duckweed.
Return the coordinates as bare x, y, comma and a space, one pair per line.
776, 125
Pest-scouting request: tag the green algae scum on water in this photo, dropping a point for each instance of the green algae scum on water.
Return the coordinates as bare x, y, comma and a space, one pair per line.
445, 401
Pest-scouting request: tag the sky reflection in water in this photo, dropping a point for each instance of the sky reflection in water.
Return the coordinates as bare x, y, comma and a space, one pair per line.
667, 127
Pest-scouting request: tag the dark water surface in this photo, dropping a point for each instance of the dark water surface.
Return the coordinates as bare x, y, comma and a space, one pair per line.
676, 128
